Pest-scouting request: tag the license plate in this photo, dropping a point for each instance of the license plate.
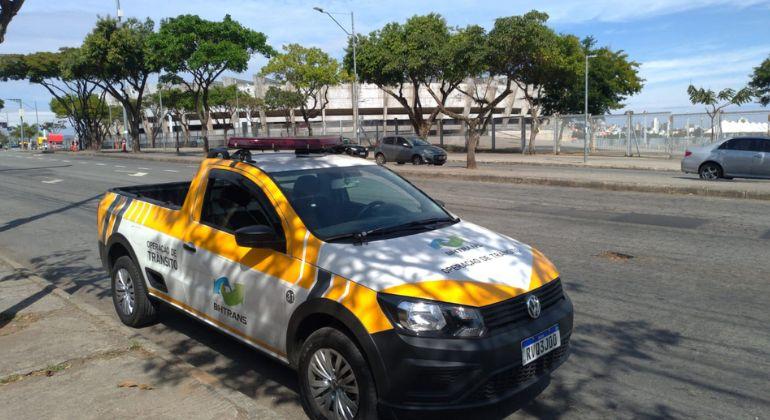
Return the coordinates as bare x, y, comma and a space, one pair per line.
539, 344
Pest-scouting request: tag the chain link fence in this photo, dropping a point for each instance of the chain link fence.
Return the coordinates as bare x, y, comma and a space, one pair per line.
630, 134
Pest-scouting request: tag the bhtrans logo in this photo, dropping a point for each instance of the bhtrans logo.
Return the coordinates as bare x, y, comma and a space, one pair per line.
450, 242
232, 296
453, 245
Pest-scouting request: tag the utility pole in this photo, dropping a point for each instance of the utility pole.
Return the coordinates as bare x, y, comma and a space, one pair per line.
37, 119
352, 36
125, 115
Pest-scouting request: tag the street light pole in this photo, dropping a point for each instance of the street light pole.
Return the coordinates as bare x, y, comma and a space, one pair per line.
352, 36
125, 115
585, 113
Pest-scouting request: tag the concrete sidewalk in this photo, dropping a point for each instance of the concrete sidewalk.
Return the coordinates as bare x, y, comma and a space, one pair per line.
64, 359
617, 174
573, 160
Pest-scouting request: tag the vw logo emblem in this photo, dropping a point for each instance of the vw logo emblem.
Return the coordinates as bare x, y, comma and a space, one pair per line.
533, 306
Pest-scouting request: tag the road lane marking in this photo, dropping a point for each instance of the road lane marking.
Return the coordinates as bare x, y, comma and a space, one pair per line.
100, 164
169, 170
51, 181
143, 168
65, 161
139, 174
119, 166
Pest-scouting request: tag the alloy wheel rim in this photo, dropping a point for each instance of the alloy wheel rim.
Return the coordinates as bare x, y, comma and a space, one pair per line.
333, 385
124, 291
710, 172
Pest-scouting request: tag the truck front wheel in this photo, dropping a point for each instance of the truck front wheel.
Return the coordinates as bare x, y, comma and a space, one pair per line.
129, 294
335, 380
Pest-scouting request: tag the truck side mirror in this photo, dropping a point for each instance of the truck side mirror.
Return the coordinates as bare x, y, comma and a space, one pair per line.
259, 236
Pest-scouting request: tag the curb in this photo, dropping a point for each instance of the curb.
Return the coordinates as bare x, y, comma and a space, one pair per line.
598, 185
567, 164
244, 404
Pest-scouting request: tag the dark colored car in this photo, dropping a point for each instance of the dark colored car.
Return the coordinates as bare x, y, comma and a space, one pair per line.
402, 149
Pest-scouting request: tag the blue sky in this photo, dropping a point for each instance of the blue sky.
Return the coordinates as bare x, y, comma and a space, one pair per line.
713, 43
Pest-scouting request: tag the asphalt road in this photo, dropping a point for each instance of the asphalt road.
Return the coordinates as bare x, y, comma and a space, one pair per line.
677, 328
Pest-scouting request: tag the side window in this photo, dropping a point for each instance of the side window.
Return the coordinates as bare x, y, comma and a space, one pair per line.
756, 145
742, 144
388, 140
728, 145
402, 142
233, 202
765, 145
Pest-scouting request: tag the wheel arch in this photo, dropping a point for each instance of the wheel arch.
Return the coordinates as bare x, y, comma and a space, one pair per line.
118, 246
704, 163
317, 313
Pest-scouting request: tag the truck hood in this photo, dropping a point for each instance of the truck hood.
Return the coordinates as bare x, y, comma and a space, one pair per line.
462, 263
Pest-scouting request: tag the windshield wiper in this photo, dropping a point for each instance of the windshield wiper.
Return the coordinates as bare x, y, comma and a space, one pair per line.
360, 237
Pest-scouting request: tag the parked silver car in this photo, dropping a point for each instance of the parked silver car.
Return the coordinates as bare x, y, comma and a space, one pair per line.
740, 157
401, 149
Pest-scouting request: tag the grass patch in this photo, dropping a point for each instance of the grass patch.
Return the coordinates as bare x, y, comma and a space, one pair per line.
9, 379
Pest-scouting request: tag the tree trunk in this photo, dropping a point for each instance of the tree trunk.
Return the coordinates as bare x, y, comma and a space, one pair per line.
307, 123
561, 127
424, 130
473, 142
535, 128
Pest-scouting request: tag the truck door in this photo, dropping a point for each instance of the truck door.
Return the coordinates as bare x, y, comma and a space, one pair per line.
239, 288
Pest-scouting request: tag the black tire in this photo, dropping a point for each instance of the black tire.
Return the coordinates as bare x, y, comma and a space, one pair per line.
143, 311
329, 340
380, 159
417, 160
710, 171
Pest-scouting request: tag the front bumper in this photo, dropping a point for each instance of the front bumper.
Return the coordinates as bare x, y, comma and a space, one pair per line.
435, 159
440, 374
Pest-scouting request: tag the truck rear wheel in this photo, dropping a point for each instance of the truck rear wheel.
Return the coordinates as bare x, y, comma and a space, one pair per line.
129, 294
335, 380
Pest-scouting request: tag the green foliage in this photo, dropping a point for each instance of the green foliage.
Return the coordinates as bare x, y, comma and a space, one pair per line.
223, 97
30, 132
2, 104
72, 106
401, 58
718, 100
204, 49
179, 100
612, 78
120, 56
8, 9
760, 82
309, 71
282, 100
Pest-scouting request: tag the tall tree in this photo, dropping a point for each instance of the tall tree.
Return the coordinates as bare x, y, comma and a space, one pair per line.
495, 63
715, 102
152, 115
203, 49
8, 9
529, 52
284, 101
403, 58
310, 71
222, 100
68, 77
89, 116
612, 78
760, 82
253, 106
122, 58
179, 104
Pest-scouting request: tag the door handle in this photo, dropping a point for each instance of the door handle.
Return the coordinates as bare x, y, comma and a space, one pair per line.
188, 246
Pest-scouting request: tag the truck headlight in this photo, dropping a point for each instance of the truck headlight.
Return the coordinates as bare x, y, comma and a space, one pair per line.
432, 319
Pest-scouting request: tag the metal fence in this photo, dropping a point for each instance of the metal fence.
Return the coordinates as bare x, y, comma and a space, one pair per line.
631, 134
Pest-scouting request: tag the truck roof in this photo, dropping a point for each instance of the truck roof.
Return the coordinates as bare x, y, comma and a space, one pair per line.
272, 162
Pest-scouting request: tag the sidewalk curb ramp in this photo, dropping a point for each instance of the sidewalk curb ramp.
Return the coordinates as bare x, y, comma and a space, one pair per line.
480, 176
246, 406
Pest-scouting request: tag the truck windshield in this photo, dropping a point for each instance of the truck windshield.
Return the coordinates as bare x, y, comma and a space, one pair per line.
348, 203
